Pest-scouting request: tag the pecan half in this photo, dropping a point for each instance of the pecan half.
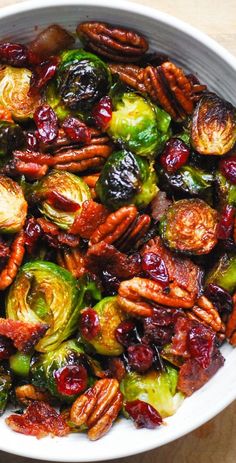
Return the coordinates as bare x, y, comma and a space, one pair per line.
130, 239
206, 313
72, 260
17, 251
113, 42
114, 226
130, 74
231, 324
98, 407
26, 393
80, 160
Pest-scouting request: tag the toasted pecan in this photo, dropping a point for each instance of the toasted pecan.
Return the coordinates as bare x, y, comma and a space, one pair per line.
17, 251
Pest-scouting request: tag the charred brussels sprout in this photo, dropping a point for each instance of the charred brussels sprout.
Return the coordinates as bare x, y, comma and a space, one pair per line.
156, 388
224, 273
139, 125
5, 387
82, 79
213, 126
226, 192
55, 370
126, 179
13, 207
11, 137
59, 196
14, 92
44, 292
110, 316
190, 226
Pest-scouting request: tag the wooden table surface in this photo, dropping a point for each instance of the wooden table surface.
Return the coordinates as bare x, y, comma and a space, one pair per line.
215, 441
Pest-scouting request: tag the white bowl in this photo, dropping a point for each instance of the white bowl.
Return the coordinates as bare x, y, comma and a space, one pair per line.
215, 66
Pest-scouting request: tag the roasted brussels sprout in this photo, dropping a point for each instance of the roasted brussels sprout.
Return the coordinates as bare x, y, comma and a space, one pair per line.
187, 181
224, 273
190, 226
5, 386
226, 192
14, 92
213, 128
13, 207
54, 100
54, 370
82, 79
139, 125
11, 137
126, 179
156, 388
44, 292
110, 316
59, 196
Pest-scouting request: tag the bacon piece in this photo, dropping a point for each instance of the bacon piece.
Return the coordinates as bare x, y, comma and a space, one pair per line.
23, 334
39, 420
91, 216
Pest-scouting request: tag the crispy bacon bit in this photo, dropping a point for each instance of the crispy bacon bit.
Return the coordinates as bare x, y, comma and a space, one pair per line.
23, 334
61, 202
179, 344
51, 41
55, 237
72, 260
91, 216
39, 420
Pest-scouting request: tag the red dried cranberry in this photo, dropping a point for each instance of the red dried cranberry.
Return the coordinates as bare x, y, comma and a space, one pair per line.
143, 414
220, 298
175, 155
126, 333
155, 268
31, 142
6, 348
43, 73
200, 343
102, 113
89, 324
32, 234
159, 328
47, 123
228, 168
226, 223
13, 54
76, 130
61, 202
71, 379
140, 357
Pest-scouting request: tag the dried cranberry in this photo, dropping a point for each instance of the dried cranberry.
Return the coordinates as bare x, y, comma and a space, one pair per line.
175, 155
140, 357
61, 202
200, 344
47, 123
155, 268
13, 54
126, 333
6, 348
77, 130
143, 414
220, 298
31, 142
71, 379
43, 73
228, 168
32, 234
226, 223
159, 328
102, 113
89, 324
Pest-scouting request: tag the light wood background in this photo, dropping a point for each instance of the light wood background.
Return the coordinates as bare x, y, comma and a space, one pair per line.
214, 442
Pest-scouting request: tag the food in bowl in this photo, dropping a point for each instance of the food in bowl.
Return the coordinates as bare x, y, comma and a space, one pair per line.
117, 211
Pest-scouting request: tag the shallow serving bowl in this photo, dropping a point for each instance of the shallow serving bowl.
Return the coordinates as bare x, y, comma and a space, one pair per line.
200, 55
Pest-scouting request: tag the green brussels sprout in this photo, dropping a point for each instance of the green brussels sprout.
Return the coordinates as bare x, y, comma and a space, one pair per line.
110, 316
226, 191
44, 292
82, 79
5, 387
20, 364
190, 226
13, 206
44, 369
11, 137
139, 125
14, 92
126, 179
213, 128
156, 388
59, 196
188, 180
54, 100
224, 273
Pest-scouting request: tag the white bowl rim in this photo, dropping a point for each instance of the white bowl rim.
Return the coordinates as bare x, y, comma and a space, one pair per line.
224, 54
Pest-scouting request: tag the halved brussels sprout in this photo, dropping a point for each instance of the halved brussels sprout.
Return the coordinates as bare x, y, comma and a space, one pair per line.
110, 316
139, 125
5, 386
156, 388
126, 179
213, 128
44, 292
224, 273
14, 92
226, 191
13, 206
82, 79
57, 194
44, 369
190, 226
